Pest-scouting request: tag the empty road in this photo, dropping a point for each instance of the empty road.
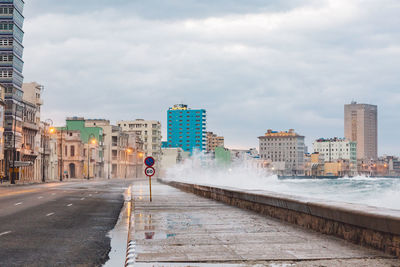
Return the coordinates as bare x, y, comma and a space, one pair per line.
59, 224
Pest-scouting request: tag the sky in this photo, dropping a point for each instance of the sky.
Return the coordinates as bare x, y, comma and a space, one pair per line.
253, 65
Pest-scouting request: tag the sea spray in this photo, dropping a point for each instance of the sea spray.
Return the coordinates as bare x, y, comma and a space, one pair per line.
246, 174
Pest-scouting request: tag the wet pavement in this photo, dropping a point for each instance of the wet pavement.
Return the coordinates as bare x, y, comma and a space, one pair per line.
182, 229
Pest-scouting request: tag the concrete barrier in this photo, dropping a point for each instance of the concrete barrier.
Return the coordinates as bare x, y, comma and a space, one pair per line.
377, 228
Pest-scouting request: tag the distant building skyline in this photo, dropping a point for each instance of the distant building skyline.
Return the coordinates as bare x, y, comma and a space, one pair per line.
361, 126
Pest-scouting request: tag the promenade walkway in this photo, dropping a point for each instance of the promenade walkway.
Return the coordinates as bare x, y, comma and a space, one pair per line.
181, 229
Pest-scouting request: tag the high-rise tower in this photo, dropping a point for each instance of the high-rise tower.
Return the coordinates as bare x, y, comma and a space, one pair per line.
186, 128
11, 64
361, 126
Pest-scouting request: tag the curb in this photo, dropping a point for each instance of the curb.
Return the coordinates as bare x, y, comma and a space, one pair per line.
130, 259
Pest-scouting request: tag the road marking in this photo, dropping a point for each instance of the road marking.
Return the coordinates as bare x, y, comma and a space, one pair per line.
53, 194
83, 198
69, 205
40, 197
5, 233
49, 214
90, 195
19, 203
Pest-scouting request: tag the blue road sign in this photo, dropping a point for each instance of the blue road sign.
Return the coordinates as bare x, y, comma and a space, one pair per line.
149, 161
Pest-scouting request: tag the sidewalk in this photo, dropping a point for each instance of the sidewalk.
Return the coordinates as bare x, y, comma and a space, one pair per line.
179, 227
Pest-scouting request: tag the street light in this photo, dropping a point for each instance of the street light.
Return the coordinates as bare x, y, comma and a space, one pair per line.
91, 140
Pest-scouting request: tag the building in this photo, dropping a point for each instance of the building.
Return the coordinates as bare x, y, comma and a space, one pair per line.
149, 132
187, 128
333, 149
122, 152
214, 141
31, 153
284, 149
2, 108
71, 151
91, 148
361, 126
11, 78
172, 156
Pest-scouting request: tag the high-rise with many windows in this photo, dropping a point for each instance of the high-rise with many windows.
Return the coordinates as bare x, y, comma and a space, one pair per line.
11, 64
187, 128
361, 126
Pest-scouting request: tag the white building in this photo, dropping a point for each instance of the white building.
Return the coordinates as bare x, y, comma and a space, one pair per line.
149, 132
334, 149
285, 150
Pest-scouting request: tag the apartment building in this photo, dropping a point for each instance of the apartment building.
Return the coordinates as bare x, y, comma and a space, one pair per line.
361, 126
214, 141
149, 131
284, 149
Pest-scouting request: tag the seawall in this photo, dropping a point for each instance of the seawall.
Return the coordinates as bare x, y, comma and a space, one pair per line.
373, 227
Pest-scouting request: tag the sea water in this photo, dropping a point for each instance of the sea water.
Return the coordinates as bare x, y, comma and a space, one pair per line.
379, 192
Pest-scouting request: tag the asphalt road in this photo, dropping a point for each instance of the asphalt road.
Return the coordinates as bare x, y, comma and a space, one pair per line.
59, 224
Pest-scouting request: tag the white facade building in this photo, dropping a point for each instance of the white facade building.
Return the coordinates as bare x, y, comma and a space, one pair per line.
336, 148
285, 151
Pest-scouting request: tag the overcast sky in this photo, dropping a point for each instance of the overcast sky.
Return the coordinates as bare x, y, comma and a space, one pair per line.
253, 65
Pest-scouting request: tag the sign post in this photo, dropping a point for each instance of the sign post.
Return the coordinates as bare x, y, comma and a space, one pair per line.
149, 171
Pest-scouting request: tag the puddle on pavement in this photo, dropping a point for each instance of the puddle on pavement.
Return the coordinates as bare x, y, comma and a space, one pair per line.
119, 234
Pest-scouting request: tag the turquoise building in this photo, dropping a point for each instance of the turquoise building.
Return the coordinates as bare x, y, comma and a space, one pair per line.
186, 128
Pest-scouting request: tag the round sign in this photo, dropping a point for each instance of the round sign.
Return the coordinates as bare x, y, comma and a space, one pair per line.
149, 161
149, 171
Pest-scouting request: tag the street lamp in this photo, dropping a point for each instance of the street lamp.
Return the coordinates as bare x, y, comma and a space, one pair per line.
91, 140
46, 130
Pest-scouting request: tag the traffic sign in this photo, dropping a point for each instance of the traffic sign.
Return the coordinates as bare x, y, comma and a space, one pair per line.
149, 171
149, 161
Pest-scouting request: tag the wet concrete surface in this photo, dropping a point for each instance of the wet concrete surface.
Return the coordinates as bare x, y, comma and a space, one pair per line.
182, 229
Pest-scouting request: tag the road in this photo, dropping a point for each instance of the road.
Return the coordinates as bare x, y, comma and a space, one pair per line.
59, 224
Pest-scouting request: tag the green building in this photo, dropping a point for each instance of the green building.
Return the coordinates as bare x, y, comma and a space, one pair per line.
222, 157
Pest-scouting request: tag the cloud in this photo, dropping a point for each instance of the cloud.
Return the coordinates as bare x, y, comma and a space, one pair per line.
253, 67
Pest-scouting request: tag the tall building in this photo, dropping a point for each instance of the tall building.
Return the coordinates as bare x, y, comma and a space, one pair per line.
361, 126
285, 150
214, 141
187, 128
333, 149
11, 65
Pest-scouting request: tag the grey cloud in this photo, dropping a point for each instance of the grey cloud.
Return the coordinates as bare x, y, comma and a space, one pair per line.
252, 66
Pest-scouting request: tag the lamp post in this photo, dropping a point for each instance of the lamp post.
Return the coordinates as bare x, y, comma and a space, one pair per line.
91, 140
45, 131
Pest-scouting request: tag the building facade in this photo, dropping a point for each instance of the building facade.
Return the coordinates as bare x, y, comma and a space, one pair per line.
121, 151
333, 149
187, 128
284, 149
149, 131
2, 108
361, 126
214, 141
11, 78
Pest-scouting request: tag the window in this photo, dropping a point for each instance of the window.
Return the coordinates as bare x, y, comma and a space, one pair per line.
72, 151
66, 150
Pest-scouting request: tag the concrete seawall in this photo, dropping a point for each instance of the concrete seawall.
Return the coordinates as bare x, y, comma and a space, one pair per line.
372, 227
